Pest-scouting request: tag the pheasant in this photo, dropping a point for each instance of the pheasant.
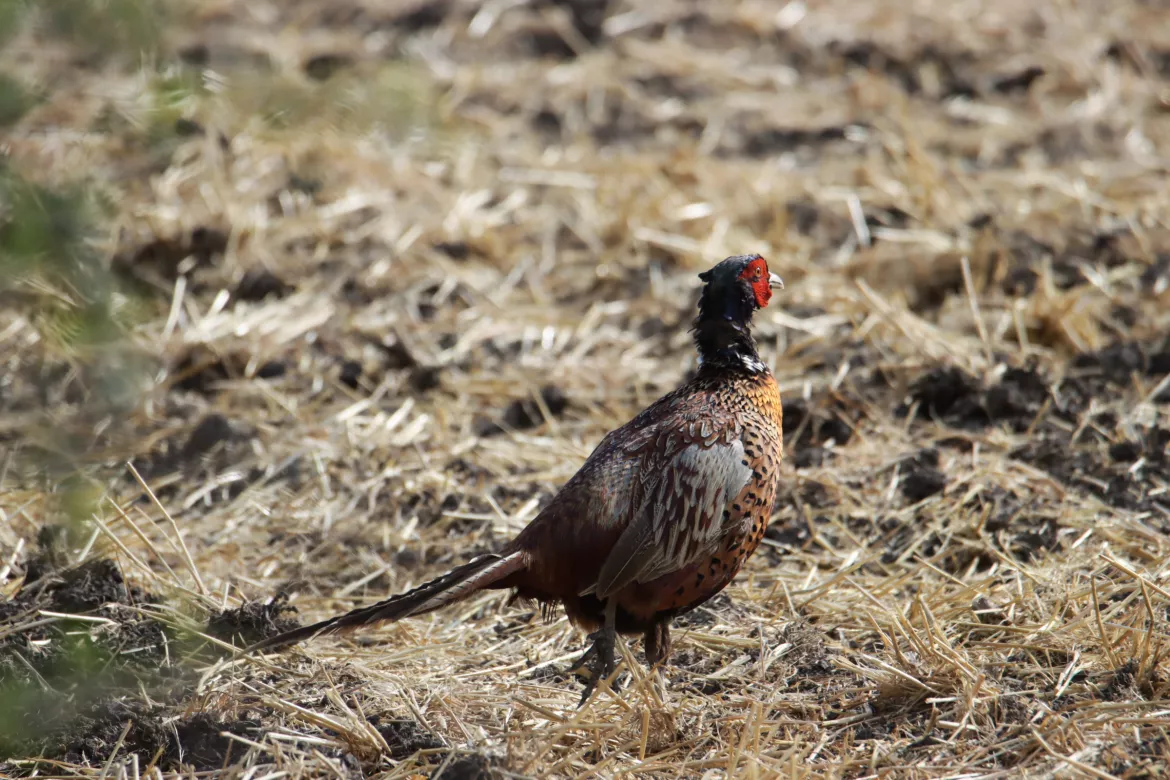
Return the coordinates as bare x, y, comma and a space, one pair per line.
662, 514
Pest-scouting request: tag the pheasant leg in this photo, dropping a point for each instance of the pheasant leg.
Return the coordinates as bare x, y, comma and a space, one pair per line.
599, 659
657, 641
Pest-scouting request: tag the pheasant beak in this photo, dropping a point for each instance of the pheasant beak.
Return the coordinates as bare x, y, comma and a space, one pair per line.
775, 281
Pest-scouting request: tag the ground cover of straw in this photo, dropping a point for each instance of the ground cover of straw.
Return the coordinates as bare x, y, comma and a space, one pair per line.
396, 268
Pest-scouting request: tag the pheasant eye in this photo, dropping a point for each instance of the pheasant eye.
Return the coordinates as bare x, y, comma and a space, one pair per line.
754, 272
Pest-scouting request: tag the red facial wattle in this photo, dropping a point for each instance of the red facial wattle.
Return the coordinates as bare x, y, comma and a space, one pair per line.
756, 274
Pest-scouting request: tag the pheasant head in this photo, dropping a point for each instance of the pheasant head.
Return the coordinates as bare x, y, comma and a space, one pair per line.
734, 289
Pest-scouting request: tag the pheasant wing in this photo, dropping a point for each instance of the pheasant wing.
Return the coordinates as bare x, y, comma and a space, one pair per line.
689, 479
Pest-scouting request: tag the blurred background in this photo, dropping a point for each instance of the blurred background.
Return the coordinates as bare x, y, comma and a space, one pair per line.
318, 298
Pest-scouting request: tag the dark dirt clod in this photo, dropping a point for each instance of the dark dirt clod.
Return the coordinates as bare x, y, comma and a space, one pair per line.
1053, 456
307, 184
792, 534
708, 687
1000, 505
456, 250
523, 414
921, 477
955, 398
1043, 534
809, 654
1017, 398
196, 54
777, 140
200, 369
213, 442
199, 741
207, 433
948, 70
588, 16
1018, 82
50, 556
68, 687
162, 260
1121, 683
186, 128
811, 219
1113, 481
91, 737
811, 424
1125, 451
987, 613
1117, 361
1117, 364
404, 736
473, 767
1012, 524
207, 242
1156, 277
417, 15
260, 283
323, 66
87, 587
947, 394
398, 355
426, 378
351, 372
272, 369
196, 741
812, 457
253, 621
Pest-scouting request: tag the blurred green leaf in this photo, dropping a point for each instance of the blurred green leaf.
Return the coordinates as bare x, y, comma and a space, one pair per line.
106, 26
11, 13
40, 228
15, 100
48, 693
394, 98
50, 269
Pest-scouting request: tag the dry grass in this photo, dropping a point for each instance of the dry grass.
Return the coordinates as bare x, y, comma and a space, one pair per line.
385, 315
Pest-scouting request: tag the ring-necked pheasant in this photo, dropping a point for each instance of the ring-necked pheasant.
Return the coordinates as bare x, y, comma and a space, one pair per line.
662, 514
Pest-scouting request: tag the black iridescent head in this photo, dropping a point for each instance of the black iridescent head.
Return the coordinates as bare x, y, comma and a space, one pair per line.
737, 286
733, 290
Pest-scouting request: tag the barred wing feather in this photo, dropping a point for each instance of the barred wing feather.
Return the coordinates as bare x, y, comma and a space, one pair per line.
679, 517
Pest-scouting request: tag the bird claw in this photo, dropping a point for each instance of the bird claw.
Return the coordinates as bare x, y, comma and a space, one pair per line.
599, 661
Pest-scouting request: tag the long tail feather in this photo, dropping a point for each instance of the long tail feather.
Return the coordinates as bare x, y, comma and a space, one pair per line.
455, 585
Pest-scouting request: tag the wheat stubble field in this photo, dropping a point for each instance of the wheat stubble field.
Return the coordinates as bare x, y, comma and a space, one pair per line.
376, 277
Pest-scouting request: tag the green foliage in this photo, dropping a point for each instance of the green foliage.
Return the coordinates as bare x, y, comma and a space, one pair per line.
46, 256
15, 100
11, 14
68, 688
108, 27
41, 227
393, 98
175, 97
51, 270
56, 691
177, 88
26, 689
79, 499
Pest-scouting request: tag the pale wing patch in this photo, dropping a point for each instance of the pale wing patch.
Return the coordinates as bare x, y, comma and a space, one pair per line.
680, 517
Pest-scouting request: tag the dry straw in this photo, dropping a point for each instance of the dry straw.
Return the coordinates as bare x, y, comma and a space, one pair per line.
513, 222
